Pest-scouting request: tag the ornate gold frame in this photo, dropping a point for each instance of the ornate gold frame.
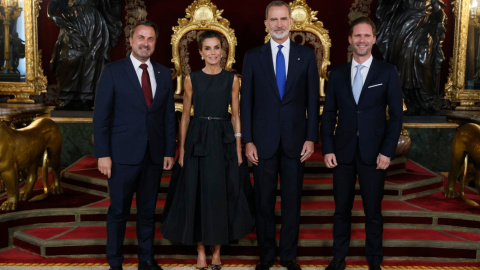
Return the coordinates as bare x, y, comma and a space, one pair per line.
455, 87
304, 19
201, 15
36, 82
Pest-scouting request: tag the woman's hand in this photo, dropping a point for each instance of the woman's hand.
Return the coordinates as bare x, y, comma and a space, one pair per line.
180, 157
239, 156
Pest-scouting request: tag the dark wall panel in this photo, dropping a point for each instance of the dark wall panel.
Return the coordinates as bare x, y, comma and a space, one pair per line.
246, 18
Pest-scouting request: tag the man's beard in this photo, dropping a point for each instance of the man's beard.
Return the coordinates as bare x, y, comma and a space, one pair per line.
279, 36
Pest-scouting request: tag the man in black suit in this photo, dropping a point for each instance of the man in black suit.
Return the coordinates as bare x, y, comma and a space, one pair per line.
134, 128
363, 142
280, 107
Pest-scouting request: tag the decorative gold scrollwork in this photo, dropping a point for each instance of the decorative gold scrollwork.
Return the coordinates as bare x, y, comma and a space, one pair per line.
455, 87
35, 82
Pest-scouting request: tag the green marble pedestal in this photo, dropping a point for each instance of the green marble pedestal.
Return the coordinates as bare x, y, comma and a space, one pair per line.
431, 144
77, 135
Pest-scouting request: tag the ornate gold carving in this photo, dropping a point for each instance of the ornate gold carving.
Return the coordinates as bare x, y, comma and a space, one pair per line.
455, 87
201, 15
36, 82
305, 20
135, 11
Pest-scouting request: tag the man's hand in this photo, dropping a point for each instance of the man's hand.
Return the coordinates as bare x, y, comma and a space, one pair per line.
168, 163
382, 162
330, 160
307, 151
105, 166
251, 153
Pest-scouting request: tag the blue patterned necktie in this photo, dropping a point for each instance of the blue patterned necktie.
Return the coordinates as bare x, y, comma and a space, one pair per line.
280, 70
357, 83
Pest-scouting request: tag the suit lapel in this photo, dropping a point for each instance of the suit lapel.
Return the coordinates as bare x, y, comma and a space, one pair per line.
267, 65
348, 78
372, 73
294, 64
156, 71
132, 76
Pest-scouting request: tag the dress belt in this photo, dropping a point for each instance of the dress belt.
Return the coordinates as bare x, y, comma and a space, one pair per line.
212, 118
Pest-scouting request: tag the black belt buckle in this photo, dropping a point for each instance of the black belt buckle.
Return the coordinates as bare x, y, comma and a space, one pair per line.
211, 118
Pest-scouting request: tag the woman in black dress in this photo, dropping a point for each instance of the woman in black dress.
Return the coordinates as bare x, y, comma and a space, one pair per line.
206, 202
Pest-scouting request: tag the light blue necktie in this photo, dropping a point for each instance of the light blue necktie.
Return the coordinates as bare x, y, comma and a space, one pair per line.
357, 83
280, 69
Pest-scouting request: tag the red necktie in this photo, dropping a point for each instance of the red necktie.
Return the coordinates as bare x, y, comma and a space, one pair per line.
146, 86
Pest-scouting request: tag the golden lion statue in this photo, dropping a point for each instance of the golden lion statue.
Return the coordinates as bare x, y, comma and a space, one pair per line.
466, 144
21, 151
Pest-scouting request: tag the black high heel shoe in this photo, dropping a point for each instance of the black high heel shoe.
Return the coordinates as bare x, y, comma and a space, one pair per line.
203, 267
215, 266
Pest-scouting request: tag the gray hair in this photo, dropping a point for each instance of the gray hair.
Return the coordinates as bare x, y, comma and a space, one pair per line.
277, 4
145, 23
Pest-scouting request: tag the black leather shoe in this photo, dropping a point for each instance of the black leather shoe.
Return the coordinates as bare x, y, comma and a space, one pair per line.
374, 267
263, 266
149, 265
290, 265
336, 264
115, 268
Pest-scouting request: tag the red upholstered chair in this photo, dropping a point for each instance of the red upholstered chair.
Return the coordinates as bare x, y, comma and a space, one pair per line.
201, 15
308, 31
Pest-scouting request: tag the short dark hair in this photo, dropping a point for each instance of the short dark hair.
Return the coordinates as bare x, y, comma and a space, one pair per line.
145, 23
209, 34
277, 4
360, 20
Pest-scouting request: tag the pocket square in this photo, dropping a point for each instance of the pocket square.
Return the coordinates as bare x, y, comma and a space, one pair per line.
375, 85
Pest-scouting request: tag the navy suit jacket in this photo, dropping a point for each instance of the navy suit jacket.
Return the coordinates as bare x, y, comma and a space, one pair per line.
268, 120
368, 119
124, 125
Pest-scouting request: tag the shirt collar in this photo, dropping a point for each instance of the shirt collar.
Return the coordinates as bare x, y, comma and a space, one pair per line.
136, 63
285, 44
366, 64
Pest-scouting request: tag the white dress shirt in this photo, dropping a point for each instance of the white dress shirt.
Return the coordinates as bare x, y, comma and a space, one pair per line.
151, 73
285, 51
364, 70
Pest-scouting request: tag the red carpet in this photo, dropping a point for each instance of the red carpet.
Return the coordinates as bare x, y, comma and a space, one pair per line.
422, 228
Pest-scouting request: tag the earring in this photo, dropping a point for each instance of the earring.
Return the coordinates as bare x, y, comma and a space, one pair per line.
203, 58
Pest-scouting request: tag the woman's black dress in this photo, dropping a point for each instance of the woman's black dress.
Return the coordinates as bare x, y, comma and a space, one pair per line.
207, 198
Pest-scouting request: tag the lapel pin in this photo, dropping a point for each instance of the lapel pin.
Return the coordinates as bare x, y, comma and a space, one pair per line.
158, 72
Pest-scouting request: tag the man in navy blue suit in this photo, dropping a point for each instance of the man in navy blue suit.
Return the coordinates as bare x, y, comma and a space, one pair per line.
280, 109
363, 142
134, 129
